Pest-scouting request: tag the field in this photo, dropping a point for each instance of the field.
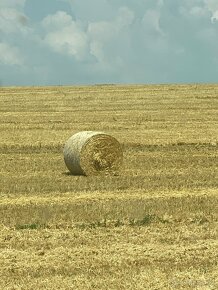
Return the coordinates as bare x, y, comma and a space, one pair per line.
155, 226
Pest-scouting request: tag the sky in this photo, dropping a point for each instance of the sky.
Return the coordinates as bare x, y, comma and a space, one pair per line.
70, 42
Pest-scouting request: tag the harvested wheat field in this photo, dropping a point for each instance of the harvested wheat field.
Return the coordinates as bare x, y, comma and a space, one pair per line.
154, 225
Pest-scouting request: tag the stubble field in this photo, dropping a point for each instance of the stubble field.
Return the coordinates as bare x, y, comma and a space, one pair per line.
155, 226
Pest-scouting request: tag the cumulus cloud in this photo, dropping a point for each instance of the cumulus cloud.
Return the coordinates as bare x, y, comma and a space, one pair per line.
13, 30
212, 6
103, 33
107, 30
12, 21
59, 20
10, 55
198, 11
215, 16
151, 21
67, 36
193, 8
64, 35
125, 17
109, 41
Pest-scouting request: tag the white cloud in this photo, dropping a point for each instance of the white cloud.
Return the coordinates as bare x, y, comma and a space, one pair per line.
106, 30
10, 55
63, 35
96, 49
212, 6
194, 9
154, 37
102, 41
215, 16
57, 21
198, 11
125, 17
103, 33
12, 21
151, 21
68, 40
66, 36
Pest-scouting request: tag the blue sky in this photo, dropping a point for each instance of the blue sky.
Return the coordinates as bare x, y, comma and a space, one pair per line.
67, 42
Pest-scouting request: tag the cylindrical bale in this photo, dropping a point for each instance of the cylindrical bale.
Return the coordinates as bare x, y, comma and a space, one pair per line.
93, 153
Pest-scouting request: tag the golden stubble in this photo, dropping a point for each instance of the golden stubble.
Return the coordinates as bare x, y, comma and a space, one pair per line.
154, 226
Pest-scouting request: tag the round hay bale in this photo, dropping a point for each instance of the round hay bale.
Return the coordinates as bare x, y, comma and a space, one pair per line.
93, 153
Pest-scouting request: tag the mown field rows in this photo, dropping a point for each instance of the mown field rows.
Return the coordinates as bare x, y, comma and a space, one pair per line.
152, 227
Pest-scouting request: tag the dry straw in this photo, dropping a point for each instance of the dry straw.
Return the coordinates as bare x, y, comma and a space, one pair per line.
92, 153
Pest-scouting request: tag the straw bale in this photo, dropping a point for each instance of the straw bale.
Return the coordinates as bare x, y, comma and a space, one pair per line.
93, 153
